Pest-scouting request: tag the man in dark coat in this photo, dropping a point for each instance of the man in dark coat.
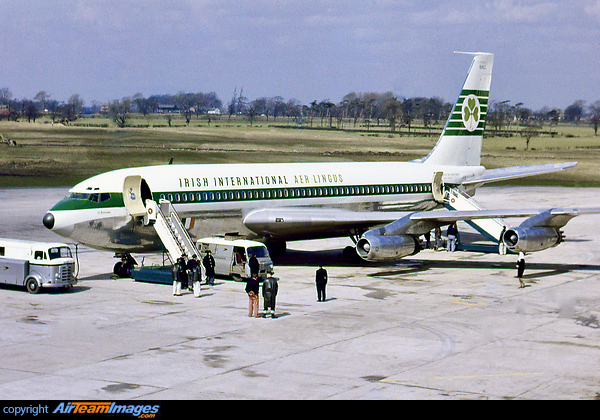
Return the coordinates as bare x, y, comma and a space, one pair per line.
182, 272
209, 266
521, 269
269, 293
176, 275
254, 266
321, 280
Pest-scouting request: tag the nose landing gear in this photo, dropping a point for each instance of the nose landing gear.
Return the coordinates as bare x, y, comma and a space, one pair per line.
123, 268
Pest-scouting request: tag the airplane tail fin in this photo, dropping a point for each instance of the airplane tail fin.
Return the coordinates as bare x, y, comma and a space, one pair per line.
460, 142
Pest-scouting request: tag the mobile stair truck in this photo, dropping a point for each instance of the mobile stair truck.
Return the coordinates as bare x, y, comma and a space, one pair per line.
36, 264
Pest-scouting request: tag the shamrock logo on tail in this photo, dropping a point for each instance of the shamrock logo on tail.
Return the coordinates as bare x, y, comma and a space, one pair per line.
470, 112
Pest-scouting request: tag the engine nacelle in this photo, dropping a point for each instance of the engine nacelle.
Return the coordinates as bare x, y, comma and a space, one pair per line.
373, 247
531, 239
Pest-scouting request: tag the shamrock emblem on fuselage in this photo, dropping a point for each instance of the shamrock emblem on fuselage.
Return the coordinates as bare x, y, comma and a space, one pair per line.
470, 112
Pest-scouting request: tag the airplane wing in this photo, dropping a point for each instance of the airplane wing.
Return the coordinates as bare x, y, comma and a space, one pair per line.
541, 230
553, 217
511, 172
294, 222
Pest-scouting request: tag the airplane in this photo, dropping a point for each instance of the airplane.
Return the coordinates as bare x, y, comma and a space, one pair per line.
384, 207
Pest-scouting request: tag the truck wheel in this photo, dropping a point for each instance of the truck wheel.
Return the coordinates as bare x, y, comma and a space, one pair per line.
32, 285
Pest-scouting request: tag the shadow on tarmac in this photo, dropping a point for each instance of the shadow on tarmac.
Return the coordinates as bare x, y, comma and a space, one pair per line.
334, 258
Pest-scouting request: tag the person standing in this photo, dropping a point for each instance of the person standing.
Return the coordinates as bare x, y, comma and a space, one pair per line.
452, 235
321, 280
438, 238
182, 272
252, 286
521, 269
269, 288
176, 276
254, 266
209, 267
194, 274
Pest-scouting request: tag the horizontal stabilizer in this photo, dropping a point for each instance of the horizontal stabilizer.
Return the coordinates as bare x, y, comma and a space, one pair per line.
512, 172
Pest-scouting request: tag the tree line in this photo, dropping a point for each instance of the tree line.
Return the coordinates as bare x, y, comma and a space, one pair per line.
357, 109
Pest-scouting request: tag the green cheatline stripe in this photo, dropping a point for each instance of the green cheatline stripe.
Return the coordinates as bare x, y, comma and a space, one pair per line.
482, 93
452, 132
254, 194
460, 125
482, 101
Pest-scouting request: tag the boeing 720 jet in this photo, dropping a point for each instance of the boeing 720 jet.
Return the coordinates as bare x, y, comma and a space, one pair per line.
383, 206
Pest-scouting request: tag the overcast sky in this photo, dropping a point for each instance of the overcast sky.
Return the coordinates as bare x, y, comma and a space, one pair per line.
547, 53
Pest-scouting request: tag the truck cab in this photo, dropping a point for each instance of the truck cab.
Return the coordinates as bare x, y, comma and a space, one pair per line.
36, 264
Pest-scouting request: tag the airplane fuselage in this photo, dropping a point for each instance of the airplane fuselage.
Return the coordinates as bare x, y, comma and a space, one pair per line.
256, 200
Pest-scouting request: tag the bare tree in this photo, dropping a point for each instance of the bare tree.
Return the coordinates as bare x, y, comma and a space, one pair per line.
595, 118
119, 111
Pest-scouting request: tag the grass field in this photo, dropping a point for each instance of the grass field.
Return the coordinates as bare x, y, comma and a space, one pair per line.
58, 155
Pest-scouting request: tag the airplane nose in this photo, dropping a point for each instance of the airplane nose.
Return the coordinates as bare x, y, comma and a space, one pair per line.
48, 220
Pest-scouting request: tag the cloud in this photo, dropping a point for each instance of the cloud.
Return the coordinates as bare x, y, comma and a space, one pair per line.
592, 8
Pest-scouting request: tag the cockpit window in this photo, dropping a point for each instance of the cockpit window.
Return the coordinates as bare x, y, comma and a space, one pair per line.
95, 197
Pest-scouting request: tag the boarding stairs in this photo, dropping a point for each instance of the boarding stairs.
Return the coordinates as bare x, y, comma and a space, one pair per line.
170, 229
492, 229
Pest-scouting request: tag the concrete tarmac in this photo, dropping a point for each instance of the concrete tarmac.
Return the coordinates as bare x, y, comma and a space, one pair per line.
437, 325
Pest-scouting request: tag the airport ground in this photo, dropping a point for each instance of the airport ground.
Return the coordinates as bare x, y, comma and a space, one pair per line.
437, 325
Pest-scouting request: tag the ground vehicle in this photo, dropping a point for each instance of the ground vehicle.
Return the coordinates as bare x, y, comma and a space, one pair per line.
232, 255
36, 264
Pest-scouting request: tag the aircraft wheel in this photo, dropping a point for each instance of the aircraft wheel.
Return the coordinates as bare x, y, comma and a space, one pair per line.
32, 285
122, 270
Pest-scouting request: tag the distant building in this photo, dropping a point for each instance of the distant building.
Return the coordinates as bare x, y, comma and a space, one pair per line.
167, 108
215, 111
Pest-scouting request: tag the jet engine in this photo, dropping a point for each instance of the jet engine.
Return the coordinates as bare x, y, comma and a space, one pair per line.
372, 247
531, 239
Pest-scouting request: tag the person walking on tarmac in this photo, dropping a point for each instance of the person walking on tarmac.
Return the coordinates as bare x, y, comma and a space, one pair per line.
521, 269
209, 266
321, 280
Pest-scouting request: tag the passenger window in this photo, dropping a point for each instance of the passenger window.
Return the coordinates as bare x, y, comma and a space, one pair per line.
38, 255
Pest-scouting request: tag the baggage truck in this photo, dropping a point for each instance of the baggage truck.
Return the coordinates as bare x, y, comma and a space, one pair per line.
36, 264
232, 256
